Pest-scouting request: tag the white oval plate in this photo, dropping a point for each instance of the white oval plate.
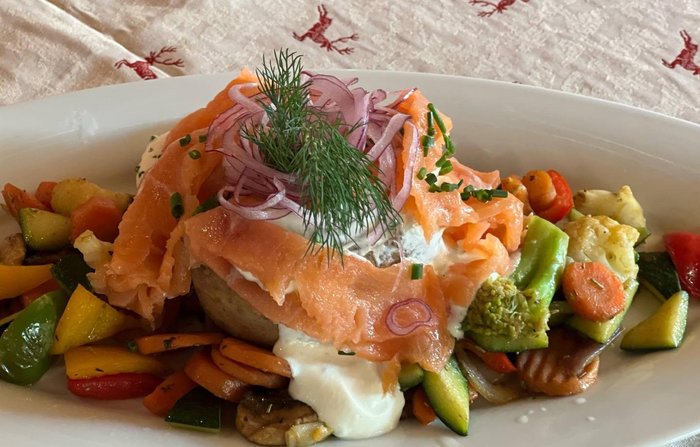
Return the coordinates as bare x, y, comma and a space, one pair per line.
638, 400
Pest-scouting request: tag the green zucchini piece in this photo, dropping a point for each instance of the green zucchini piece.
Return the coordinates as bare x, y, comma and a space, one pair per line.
664, 329
602, 331
43, 230
657, 273
70, 271
411, 375
498, 343
197, 410
448, 394
559, 312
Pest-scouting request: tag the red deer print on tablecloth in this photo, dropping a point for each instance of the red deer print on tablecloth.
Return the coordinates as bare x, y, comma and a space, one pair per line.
143, 68
317, 33
493, 8
686, 58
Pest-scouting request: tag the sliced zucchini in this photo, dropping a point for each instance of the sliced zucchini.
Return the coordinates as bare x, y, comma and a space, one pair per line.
602, 331
657, 273
411, 375
559, 312
70, 271
663, 330
44, 230
69, 194
500, 343
448, 394
197, 410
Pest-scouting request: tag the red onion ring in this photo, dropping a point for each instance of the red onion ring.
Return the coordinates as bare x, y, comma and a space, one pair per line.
374, 126
394, 325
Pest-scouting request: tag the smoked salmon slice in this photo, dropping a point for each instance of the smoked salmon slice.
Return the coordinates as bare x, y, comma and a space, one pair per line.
150, 262
344, 304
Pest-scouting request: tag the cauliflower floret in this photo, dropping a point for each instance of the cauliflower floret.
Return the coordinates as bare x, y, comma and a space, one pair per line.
602, 239
620, 205
95, 252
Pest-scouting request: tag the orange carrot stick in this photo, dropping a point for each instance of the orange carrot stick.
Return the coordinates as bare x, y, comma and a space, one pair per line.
163, 398
255, 357
152, 344
245, 373
593, 290
205, 373
421, 408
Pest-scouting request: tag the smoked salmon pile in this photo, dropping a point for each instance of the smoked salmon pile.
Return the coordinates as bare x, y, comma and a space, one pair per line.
340, 303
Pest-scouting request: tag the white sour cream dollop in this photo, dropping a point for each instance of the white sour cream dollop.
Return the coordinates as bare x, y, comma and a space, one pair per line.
345, 390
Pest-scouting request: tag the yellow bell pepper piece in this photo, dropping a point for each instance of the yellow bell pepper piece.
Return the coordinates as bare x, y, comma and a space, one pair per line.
17, 279
88, 319
85, 362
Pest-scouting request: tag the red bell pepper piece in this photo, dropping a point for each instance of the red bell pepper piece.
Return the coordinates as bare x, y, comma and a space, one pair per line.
563, 202
497, 361
115, 386
44, 192
684, 249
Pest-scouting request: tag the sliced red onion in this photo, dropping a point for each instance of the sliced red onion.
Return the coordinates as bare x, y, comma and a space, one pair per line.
576, 363
375, 129
396, 328
493, 392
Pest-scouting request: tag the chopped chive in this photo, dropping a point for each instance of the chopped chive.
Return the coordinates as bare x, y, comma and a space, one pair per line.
431, 125
446, 168
209, 204
501, 193
131, 345
438, 119
346, 353
416, 271
194, 154
168, 343
434, 188
203, 138
176, 207
431, 179
184, 141
422, 173
482, 195
441, 161
153, 137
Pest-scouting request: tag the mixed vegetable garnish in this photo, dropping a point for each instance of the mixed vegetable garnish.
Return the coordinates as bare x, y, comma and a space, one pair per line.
296, 225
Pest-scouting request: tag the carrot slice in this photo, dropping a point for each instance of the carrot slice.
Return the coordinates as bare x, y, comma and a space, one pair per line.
152, 344
593, 290
44, 191
255, 357
99, 214
163, 398
245, 373
421, 408
205, 373
16, 199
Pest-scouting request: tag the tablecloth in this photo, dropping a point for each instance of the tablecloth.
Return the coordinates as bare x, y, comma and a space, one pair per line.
640, 52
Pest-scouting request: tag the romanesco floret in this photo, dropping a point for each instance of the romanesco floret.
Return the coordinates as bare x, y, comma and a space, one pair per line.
500, 309
602, 239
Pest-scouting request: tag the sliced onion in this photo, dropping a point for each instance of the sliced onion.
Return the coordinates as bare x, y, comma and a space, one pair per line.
586, 352
375, 127
492, 392
396, 328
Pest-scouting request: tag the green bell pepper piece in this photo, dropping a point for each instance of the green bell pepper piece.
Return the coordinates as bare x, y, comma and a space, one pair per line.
25, 345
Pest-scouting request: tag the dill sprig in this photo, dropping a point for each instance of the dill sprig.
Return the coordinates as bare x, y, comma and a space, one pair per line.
339, 186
